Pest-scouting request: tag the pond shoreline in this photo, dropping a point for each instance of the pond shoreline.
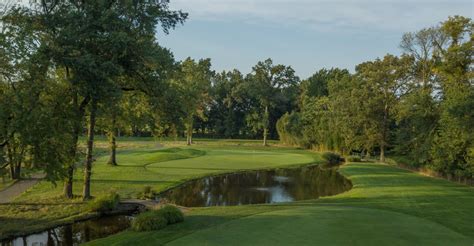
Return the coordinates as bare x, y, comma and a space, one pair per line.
123, 209
127, 207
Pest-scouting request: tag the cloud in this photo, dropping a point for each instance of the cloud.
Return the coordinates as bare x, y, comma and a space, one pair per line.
347, 15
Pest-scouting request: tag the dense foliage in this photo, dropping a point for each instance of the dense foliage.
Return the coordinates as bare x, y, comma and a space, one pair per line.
63, 61
419, 105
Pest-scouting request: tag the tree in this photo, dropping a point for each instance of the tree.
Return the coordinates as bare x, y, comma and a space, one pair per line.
97, 43
317, 84
272, 86
452, 151
227, 108
316, 103
193, 82
418, 110
382, 82
151, 87
34, 119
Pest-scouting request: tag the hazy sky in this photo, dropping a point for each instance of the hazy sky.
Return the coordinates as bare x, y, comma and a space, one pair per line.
306, 34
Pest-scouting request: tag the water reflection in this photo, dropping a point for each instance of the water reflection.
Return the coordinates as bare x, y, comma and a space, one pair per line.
269, 186
74, 234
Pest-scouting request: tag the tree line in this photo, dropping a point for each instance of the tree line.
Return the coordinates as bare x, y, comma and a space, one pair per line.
419, 105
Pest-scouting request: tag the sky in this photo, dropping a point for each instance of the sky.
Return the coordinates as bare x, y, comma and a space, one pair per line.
308, 35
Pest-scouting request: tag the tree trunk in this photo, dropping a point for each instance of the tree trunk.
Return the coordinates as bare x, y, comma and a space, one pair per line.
113, 144
265, 133
384, 133
265, 126
113, 150
18, 171
15, 165
12, 171
189, 132
15, 171
68, 182
86, 192
67, 190
382, 153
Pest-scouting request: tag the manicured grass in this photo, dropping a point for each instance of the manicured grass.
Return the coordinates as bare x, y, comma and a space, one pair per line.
387, 206
323, 225
142, 163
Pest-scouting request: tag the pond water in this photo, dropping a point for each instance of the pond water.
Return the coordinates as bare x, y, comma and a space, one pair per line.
74, 234
257, 187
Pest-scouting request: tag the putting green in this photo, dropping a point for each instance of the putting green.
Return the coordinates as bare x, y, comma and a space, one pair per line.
326, 225
228, 159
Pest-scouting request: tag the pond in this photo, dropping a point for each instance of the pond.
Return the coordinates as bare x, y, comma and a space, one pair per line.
258, 187
74, 234
251, 187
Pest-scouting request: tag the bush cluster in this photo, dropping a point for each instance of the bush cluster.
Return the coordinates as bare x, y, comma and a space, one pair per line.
157, 219
105, 203
332, 158
149, 221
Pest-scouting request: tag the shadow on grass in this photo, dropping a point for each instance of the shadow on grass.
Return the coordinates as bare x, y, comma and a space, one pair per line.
131, 182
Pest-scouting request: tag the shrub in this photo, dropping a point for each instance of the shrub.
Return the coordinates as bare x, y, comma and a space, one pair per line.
332, 158
157, 219
105, 203
172, 214
149, 221
353, 158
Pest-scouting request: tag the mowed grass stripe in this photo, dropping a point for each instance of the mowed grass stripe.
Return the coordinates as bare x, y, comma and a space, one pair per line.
321, 225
